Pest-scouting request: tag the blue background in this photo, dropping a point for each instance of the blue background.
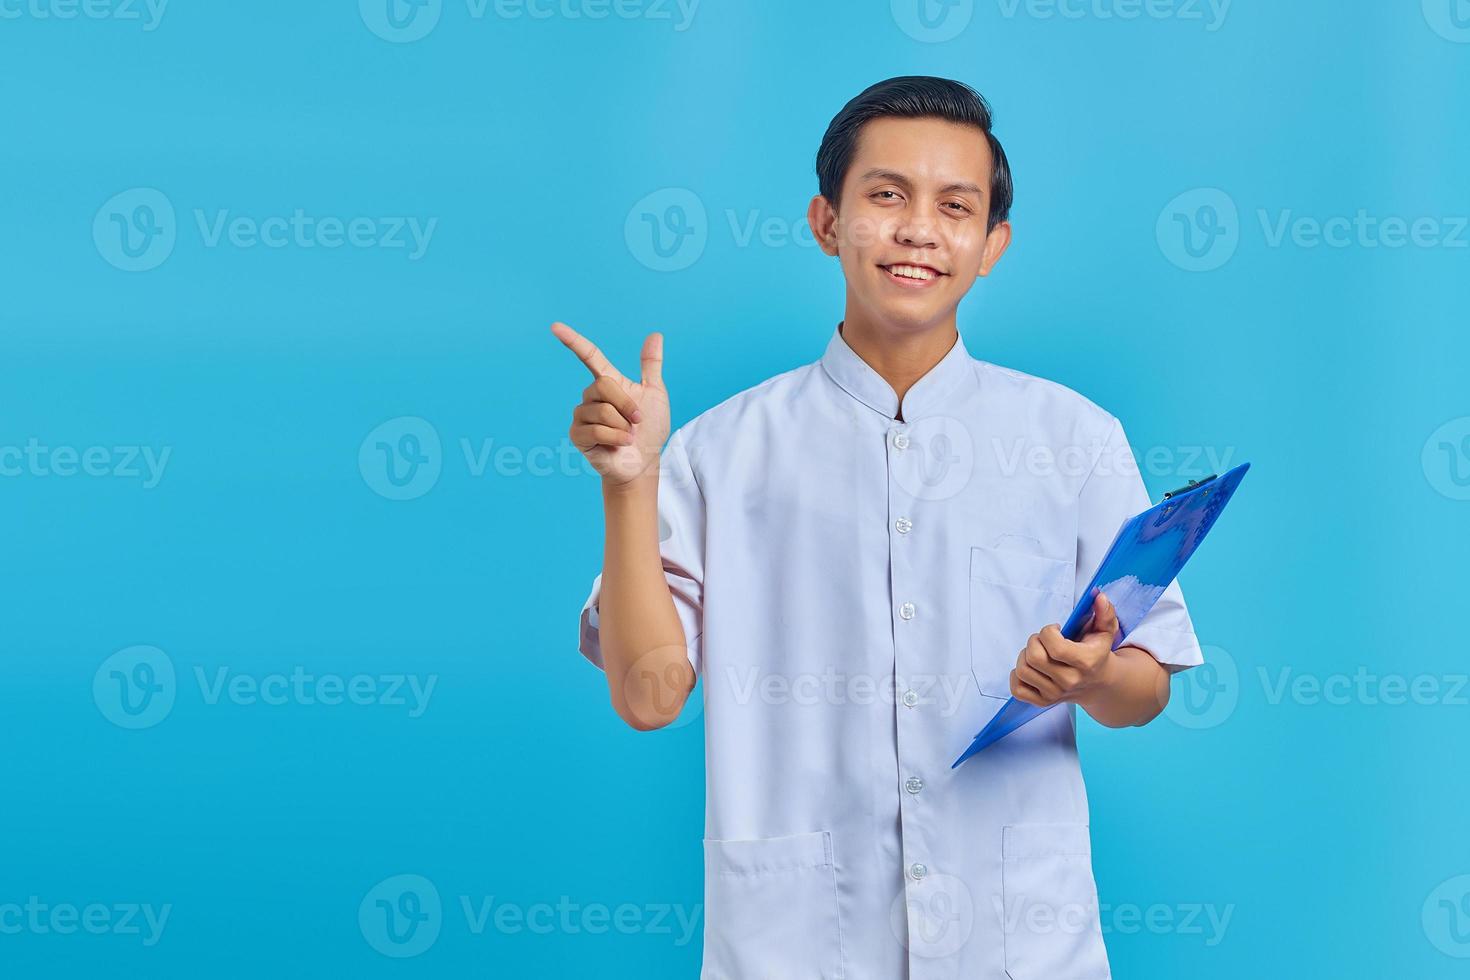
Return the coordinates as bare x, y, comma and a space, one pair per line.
1329, 832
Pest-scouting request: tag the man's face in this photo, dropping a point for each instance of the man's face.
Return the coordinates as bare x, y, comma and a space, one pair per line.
910, 229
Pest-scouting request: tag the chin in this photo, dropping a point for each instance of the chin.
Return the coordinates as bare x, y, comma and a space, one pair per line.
914, 317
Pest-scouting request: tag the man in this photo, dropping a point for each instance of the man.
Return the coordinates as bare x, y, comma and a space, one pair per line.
862, 557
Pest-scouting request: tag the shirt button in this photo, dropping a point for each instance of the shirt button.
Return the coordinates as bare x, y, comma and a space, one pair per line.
910, 698
904, 525
917, 871
900, 440
914, 784
906, 610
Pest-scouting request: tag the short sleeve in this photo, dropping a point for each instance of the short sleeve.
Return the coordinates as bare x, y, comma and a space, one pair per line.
1112, 493
681, 545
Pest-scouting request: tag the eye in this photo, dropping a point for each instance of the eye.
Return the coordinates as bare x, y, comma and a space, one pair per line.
957, 207
878, 195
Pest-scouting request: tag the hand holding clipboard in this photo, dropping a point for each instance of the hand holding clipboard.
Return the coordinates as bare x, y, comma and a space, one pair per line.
1146, 555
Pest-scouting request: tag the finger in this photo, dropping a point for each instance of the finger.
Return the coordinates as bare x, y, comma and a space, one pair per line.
610, 390
601, 413
585, 350
1062, 676
1042, 684
584, 436
1036, 656
1054, 643
653, 360
1022, 691
1104, 616
1061, 650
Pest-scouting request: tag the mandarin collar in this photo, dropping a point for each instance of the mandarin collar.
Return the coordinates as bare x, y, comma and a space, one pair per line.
926, 397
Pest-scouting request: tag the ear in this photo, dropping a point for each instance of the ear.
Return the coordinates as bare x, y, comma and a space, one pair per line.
823, 221
996, 244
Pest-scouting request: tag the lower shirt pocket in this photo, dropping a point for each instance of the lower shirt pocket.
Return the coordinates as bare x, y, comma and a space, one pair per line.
1051, 925
771, 909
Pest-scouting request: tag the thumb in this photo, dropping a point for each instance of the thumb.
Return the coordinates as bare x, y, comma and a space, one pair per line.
653, 360
1104, 616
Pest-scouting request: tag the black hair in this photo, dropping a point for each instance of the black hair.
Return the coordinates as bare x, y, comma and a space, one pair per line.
913, 97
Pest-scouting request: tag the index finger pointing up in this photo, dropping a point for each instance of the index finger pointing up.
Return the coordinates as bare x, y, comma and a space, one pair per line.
586, 350
653, 360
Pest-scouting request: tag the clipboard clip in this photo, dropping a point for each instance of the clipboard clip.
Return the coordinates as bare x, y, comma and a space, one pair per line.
1192, 484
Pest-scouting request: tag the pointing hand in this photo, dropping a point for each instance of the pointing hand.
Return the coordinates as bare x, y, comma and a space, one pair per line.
621, 425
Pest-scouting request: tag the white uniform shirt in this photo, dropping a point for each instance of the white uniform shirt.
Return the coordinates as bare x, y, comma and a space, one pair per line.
855, 591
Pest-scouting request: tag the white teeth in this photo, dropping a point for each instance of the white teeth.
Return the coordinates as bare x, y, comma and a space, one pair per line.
911, 272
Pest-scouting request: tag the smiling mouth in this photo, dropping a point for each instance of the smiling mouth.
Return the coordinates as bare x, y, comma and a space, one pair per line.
912, 275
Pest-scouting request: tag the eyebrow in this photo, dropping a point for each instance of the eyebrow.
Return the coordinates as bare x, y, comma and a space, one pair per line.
878, 173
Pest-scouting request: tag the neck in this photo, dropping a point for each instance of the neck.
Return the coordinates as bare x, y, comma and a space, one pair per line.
900, 356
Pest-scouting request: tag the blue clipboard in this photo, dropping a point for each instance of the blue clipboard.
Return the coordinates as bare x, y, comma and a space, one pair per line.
1146, 555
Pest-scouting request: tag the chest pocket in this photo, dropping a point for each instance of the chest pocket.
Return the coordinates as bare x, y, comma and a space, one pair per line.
1012, 595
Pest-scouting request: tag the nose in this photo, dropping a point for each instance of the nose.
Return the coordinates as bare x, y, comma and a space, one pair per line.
916, 228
